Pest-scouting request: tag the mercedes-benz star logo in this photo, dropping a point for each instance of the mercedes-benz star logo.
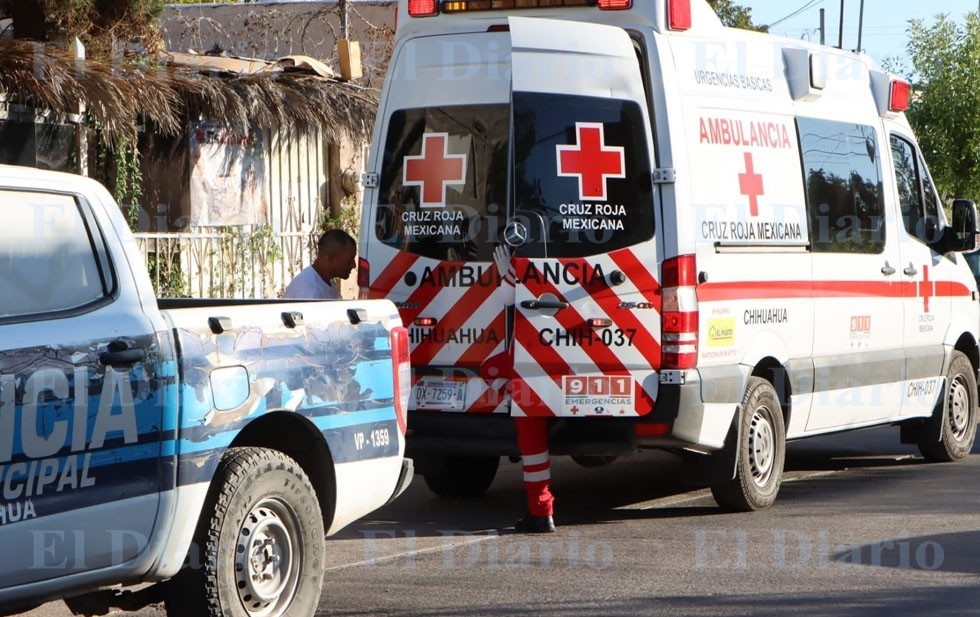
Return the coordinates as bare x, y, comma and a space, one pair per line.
515, 234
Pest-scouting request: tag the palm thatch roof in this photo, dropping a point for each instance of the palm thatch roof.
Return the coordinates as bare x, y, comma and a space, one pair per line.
116, 94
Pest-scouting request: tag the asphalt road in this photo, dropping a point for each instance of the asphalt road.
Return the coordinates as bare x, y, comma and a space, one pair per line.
862, 527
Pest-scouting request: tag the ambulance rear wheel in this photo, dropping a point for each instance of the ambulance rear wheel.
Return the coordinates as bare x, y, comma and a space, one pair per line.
761, 452
959, 414
459, 476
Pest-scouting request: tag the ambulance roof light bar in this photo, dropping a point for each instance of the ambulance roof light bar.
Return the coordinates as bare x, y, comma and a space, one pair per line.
892, 94
423, 8
679, 14
899, 95
462, 6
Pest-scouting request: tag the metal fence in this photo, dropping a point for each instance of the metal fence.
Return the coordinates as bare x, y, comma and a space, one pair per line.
231, 262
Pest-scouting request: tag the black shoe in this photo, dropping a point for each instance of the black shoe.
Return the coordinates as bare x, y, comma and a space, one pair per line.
535, 524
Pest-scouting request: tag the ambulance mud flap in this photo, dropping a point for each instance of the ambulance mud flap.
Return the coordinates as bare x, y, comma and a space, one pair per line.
949, 433
720, 465
927, 430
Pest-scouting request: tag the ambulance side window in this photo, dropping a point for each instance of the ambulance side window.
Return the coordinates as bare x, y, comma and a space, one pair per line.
842, 175
917, 198
52, 258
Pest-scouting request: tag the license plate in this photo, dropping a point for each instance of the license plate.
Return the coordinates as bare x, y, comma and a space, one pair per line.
439, 394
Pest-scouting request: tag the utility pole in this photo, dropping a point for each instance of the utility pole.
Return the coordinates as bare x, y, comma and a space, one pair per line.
840, 33
860, 26
823, 26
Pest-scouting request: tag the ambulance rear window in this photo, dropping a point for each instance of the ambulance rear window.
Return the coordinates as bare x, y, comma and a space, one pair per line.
443, 183
582, 180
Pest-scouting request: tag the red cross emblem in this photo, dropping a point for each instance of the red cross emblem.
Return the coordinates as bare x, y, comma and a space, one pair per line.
434, 170
750, 183
926, 288
591, 161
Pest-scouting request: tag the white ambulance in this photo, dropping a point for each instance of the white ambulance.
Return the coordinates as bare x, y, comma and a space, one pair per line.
661, 233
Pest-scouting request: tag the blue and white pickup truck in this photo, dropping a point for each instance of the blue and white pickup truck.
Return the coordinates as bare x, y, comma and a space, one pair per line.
208, 445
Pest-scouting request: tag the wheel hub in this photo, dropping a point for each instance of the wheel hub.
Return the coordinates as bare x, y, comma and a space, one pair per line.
761, 446
959, 408
264, 562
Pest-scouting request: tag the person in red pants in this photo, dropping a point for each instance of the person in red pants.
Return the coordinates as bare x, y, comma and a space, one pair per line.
532, 431
532, 442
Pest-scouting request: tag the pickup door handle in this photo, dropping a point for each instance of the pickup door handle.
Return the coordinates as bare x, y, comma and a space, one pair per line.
119, 353
544, 305
887, 269
911, 271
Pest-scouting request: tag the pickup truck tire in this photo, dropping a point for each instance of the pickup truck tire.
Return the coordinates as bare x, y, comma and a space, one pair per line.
761, 452
959, 414
260, 539
459, 476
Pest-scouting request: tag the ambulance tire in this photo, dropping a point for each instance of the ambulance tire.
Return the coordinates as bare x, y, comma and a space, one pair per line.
761, 452
457, 476
261, 511
959, 411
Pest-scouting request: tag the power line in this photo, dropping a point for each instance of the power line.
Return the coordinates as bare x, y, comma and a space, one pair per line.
806, 6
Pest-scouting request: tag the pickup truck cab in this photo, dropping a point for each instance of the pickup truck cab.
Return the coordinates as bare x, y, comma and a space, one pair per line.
209, 444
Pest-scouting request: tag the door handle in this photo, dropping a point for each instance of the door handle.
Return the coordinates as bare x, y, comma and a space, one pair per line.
119, 353
911, 271
543, 305
887, 269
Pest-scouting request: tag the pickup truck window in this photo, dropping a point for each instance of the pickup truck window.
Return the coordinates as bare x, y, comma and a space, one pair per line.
48, 255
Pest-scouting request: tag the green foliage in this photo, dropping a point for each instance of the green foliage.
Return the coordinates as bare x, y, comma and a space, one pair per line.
945, 109
735, 16
246, 256
169, 280
118, 168
348, 220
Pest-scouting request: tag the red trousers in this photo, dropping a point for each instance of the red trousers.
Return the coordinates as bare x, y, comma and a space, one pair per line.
532, 442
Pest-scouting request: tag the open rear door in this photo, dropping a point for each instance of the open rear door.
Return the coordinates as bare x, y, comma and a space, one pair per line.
581, 228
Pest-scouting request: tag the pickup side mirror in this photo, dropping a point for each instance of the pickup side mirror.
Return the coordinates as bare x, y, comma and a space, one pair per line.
961, 236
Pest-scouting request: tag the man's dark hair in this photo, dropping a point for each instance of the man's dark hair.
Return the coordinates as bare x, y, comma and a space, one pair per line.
333, 240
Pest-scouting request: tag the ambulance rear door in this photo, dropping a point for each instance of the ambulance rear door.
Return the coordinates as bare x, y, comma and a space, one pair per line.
581, 229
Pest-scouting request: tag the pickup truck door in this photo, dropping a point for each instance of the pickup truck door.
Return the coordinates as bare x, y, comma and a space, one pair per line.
81, 394
586, 324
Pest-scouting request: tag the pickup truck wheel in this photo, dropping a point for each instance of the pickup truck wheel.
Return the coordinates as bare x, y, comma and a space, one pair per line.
261, 543
761, 452
959, 414
459, 476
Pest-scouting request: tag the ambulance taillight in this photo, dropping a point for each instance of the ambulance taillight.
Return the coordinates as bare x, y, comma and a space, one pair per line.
422, 8
363, 278
899, 95
403, 374
679, 301
679, 14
